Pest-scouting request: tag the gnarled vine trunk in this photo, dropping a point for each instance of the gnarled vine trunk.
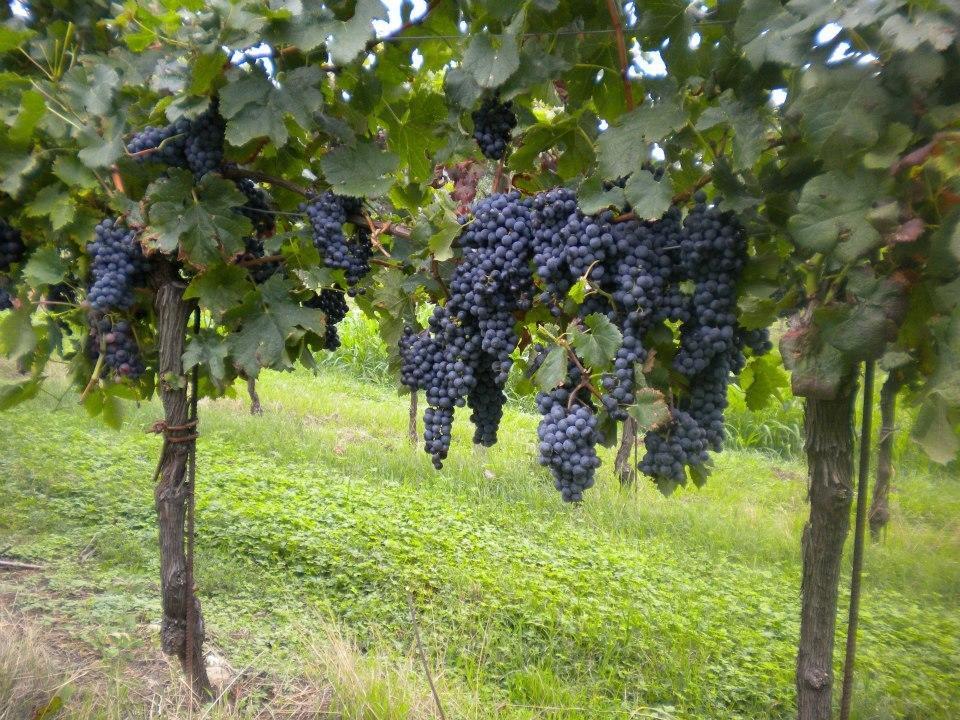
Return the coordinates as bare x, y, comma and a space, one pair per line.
172, 488
829, 448
880, 504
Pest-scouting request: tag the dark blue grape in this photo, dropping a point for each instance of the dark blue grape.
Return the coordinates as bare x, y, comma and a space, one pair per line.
117, 266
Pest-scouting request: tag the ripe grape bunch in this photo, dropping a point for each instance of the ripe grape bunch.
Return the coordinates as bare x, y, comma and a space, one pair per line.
118, 346
493, 124
327, 214
257, 209
117, 265
195, 144
639, 276
333, 305
12, 248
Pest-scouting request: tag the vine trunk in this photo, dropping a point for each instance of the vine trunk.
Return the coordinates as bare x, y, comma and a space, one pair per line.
173, 485
829, 448
880, 504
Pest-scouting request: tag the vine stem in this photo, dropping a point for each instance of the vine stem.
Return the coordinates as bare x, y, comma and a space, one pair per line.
863, 480
614, 11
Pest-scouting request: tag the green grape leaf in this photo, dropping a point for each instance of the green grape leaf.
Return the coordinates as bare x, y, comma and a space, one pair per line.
818, 370
11, 38
262, 337
361, 170
831, 215
553, 371
99, 151
348, 39
200, 221
935, 430
208, 350
649, 410
45, 267
255, 107
16, 393
598, 345
55, 203
649, 198
762, 380
204, 69
747, 126
220, 288
18, 337
842, 111
622, 148
32, 109
492, 59
592, 198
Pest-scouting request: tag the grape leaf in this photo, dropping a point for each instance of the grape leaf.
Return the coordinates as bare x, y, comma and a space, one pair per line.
934, 430
261, 339
623, 147
52, 202
208, 350
220, 288
650, 409
361, 170
45, 267
553, 370
200, 221
348, 39
255, 107
598, 345
18, 337
16, 393
492, 59
649, 198
832, 212
746, 124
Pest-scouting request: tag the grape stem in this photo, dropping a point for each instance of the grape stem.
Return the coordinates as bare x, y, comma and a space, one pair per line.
97, 370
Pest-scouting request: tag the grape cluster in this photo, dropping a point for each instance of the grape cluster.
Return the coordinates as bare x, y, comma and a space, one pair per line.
637, 274
493, 124
117, 265
327, 215
204, 145
6, 300
163, 144
257, 208
334, 307
670, 449
12, 248
568, 436
195, 144
118, 345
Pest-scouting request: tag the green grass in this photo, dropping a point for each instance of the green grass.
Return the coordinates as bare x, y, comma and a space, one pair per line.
631, 605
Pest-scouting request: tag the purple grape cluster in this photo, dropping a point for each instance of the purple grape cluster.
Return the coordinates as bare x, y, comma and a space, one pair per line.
116, 342
493, 124
117, 266
195, 144
637, 274
327, 214
332, 303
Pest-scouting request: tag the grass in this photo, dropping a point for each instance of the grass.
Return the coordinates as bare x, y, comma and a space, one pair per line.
315, 520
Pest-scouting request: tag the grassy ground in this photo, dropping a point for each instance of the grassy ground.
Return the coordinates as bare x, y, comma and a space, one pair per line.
316, 519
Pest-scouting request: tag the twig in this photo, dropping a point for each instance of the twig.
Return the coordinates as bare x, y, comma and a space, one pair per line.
375, 233
621, 51
423, 656
16, 565
255, 407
